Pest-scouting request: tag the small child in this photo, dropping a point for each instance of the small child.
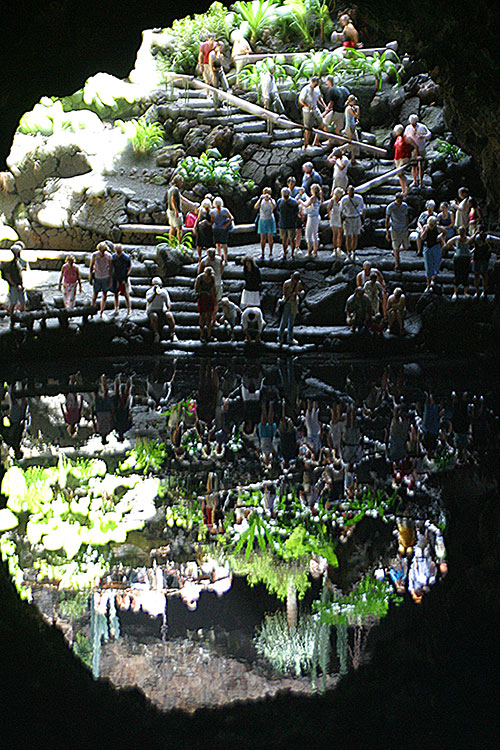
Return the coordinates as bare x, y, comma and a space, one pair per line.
377, 324
230, 312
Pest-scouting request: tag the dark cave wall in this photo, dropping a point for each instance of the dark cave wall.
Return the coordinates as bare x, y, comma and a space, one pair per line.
458, 44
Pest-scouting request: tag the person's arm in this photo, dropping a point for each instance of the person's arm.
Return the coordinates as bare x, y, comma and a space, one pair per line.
450, 243
91, 269
257, 205
321, 103
201, 267
79, 279
197, 283
60, 278
387, 222
186, 202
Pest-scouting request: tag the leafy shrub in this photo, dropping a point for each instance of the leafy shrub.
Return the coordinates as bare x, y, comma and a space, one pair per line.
288, 650
184, 246
452, 152
211, 169
181, 56
144, 136
255, 16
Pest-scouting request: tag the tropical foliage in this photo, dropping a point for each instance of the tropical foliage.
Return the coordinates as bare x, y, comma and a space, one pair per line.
146, 456
211, 169
288, 650
368, 598
69, 514
452, 152
183, 245
145, 137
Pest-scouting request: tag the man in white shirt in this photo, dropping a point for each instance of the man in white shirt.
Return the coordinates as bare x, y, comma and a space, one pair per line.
269, 90
417, 134
352, 211
158, 309
310, 100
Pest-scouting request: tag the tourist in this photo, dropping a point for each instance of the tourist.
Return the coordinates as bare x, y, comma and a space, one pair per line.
121, 265
402, 154
158, 308
422, 220
252, 323
222, 222
295, 192
432, 250
72, 410
352, 209
446, 221
310, 177
101, 272
12, 273
266, 226
174, 213
216, 62
417, 134
461, 260
340, 164
269, 90
69, 282
292, 291
396, 218
396, 306
358, 310
481, 254
206, 48
365, 274
311, 207
266, 430
335, 99
207, 299
351, 122
230, 312
461, 208
217, 265
376, 294
349, 33
122, 402
310, 100
475, 217
203, 227
334, 214
288, 213
250, 296
240, 47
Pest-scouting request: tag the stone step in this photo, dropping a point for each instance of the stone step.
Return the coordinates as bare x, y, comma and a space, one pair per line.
255, 126
287, 143
284, 134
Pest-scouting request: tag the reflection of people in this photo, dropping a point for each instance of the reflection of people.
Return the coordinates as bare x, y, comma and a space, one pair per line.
292, 290
72, 411
121, 407
103, 416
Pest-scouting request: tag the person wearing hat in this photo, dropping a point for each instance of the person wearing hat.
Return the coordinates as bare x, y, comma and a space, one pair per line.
12, 273
158, 309
292, 290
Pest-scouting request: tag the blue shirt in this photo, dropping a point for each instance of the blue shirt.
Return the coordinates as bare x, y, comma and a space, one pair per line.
310, 179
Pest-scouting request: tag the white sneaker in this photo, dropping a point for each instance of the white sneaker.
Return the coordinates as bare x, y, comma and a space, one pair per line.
483, 296
454, 297
174, 337
113, 314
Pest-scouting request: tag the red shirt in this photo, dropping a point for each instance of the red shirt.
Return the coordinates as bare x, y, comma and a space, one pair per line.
206, 48
402, 149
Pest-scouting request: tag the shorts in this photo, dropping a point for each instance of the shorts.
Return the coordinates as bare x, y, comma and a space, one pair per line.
120, 287
481, 267
16, 296
174, 221
352, 225
312, 119
400, 238
401, 162
221, 236
337, 118
101, 285
287, 235
162, 317
250, 299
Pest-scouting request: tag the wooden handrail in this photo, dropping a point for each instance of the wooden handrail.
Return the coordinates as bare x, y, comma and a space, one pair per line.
376, 181
277, 120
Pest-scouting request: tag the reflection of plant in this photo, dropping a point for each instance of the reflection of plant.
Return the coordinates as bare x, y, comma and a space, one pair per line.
144, 136
146, 456
82, 647
452, 152
445, 457
264, 567
288, 650
368, 598
74, 603
211, 169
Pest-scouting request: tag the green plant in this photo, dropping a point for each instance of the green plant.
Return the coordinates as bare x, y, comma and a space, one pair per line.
82, 646
368, 598
379, 64
144, 136
251, 75
146, 456
74, 603
184, 245
452, 152
300, 19
255, 16
211, 169
181, 54
288, 650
